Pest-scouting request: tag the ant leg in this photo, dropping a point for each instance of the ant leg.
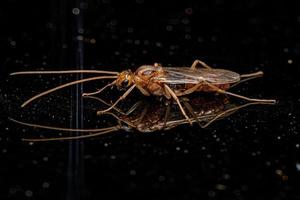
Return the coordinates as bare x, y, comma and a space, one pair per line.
239, 96
167, 114
104, 102
99, 90
144, 112
171, 92
191, 111
232, 110
143, 91
247, 77
120, 98
133, 108
190, 90
196, 62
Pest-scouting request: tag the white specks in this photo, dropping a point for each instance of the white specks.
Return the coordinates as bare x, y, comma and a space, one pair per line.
220, 187
28, 193
279, 172
208, 156
45, 159
297, 146
113, 157
298, 166
76, 11
278, 137
158, 44
132, 172
177, 148
226, 176
79, 37
45, 185
13, 43
290, 61
105, 144
286, 50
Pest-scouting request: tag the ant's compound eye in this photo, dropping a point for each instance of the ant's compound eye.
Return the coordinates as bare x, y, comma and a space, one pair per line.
124, 83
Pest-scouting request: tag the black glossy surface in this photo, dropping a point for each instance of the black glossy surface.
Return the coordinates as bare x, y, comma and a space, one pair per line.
253, 154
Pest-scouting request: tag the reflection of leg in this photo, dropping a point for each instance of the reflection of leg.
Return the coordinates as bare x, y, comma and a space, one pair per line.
134, 107
171, 92
230, 111
144, 112
196, 62
239, 96
191, 111
108, 130
100, 90
167, 114
121, 98
104, 102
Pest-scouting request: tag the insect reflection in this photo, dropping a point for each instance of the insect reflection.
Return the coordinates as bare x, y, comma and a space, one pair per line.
155, 80
148, 116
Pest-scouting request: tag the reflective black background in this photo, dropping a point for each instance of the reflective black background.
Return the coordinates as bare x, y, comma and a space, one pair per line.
252, 155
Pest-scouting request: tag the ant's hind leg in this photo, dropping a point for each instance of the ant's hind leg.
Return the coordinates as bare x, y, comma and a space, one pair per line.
120, 98
239, 96
197, 62
171, 92
191, 111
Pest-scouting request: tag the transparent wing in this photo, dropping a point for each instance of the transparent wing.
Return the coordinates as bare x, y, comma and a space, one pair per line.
181, 75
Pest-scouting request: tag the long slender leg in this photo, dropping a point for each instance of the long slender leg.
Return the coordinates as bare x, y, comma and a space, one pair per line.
65, 85
178, 102
190, 90
196, 62
232, 110
134, 107
120, 98
191, 111
104, 102
100, 90
239, 96
144, 112
247, 77
167, 115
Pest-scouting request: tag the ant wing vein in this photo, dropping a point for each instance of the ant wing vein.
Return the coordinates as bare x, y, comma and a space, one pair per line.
181, 75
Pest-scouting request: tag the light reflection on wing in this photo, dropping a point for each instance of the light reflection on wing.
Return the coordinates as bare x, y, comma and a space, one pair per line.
181, 75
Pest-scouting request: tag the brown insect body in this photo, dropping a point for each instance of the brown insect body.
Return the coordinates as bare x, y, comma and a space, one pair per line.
150, 79
156, 80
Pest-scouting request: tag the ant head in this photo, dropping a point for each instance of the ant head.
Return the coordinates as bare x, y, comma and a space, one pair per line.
125, 79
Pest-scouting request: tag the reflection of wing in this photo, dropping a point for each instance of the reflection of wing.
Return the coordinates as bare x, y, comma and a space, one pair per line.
181, 75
